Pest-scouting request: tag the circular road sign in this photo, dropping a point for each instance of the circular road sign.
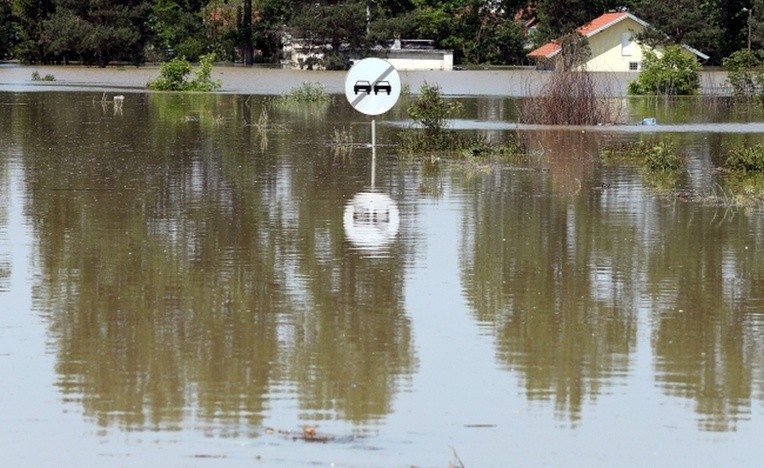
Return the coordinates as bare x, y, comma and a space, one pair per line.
372, 86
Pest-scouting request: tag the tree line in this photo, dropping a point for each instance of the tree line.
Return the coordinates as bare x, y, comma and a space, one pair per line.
495, 32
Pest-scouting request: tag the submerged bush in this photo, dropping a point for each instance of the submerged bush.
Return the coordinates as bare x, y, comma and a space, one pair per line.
431, 111
307, 93
745, 74
48, 77
653, 154
745, 159
568, 98
173, 75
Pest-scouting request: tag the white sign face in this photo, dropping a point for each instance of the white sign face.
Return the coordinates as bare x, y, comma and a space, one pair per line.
372, 86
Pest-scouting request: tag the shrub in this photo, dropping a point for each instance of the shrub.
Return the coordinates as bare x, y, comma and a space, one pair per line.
173, 75
745, 74
307, 93
432, 111
676, 72
654, 154
745, 159
48, 77
568, 98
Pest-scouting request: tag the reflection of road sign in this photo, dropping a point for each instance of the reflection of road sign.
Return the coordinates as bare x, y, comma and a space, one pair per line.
372, 86
371, 221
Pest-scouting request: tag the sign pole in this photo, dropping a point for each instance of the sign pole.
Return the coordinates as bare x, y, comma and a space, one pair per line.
373, 165
373, 132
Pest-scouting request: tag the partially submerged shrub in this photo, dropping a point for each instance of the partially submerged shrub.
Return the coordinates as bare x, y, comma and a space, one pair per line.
48, 77
745, 74
173, 75
652, 153
307, 93
676, 72
745, 159
568, 98
431, 111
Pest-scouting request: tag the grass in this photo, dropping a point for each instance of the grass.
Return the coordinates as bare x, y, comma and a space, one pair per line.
654, 154
745, 159
306, 93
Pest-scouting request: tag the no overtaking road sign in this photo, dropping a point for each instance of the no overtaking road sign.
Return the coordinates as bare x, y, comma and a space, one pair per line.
372, 86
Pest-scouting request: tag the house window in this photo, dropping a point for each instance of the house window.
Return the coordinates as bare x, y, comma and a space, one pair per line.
634, 66
626, 44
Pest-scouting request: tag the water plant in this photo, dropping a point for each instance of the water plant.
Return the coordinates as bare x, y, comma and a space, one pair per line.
48, 77
431, 113
174, 75
745, 158
654, 154
306, 93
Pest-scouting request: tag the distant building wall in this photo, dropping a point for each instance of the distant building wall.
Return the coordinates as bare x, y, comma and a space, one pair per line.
407, 54
421, 59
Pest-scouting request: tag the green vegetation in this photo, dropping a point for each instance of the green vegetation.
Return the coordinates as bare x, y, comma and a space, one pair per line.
745, 74
431, 112
676, 72
745, 159
654, 154
173, 76
478, 31
48, 77
306, 93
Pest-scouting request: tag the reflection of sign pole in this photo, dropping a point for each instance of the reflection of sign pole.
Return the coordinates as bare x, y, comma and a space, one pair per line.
372, 87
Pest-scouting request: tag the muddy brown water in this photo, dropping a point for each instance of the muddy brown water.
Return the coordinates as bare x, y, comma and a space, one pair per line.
198, 280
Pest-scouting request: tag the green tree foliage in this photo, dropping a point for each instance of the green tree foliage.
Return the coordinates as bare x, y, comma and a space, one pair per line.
95, 31
29, 16
479, 31
676, 72
697, 24
745, 73
334, 29
559, 17
177, 29
6, 30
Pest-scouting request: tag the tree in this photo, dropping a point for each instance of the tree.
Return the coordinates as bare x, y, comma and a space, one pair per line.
696, 24
96, 31
177, 29
337, 29
6, 30
560, 17
30, 15
676, 72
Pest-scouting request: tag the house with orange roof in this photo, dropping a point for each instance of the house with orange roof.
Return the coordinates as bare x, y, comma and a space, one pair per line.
611, 42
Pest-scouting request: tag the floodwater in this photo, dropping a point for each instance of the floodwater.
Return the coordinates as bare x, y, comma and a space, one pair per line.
212, 280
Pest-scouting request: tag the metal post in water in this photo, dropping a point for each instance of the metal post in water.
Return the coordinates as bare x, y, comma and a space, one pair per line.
373, 165
373, 132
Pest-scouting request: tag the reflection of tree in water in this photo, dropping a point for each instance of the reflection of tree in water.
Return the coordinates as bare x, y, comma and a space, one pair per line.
172, 266
708, 339
540, 271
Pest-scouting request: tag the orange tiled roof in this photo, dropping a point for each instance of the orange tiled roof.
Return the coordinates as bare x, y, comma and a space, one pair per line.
592, 27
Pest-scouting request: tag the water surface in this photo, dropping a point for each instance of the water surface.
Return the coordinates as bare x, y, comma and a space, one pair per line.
197, 279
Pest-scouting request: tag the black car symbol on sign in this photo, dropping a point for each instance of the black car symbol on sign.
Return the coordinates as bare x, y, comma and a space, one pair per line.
362, 85
382, 86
